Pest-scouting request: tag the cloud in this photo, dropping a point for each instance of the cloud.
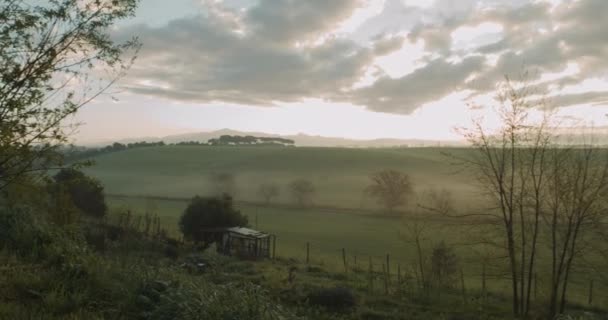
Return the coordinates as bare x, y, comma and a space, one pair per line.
288, 21
430, 83
289, 50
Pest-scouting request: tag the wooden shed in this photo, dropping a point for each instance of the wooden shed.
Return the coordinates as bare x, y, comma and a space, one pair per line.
246, 243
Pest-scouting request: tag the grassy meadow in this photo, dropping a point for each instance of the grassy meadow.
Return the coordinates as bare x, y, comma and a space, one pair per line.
139, 179
340, 175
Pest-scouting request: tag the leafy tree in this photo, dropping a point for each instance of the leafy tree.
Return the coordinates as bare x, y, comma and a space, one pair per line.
302, 191
55, 57
391, 188
86, 192
268, 191
209, 213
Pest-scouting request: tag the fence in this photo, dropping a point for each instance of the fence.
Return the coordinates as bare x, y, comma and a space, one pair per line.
386, 275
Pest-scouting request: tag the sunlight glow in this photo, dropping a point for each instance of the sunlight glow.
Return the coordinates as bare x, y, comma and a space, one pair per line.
404, 60
469, 37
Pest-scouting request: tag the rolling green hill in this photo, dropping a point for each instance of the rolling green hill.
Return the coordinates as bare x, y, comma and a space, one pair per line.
340, 175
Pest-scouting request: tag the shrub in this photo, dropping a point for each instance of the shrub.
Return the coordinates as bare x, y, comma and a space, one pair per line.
335, 299
86, 192
209, 213
444, 265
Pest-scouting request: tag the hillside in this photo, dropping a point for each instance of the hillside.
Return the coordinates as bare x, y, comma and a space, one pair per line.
302, 140
340, 175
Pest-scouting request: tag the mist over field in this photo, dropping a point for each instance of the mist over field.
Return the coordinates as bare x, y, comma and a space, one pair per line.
305, 160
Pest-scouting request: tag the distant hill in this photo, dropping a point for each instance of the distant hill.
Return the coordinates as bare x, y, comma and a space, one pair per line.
340, 175
302, 140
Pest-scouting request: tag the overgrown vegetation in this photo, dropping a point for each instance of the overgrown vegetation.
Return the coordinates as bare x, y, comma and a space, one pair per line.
64, 256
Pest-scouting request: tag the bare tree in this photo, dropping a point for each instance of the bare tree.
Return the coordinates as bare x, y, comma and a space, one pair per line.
511, 166
576, 204
302, 191
391, 188
267, 191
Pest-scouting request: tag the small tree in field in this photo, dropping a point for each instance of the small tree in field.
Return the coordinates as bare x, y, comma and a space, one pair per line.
302, 191
209, 213
268, 191
391, 188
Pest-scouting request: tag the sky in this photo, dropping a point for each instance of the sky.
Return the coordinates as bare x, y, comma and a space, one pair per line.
363, 69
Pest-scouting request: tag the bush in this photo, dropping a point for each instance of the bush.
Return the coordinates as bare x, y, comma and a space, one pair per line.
444, 265
209, 213
335, 299
86, 192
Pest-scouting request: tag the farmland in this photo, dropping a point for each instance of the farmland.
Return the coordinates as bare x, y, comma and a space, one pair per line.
339, 175
160, 180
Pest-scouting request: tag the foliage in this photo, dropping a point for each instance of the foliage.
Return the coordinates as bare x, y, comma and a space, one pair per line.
86, 192
52, 57
209, 213
302, 191
335, 299
390, 188
192, 301
29, 235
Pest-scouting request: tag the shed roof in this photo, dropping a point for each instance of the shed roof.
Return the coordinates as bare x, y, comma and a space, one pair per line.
246, 232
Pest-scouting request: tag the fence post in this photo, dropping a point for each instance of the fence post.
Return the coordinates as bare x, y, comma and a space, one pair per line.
535, 284
464, 292
344, 260
388, 269
398, 274
371, 276
417, 277
385, 281
483, 282
590, 292
274, 247
307, 252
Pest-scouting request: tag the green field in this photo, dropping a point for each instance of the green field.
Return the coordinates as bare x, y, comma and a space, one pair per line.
133, 177
340, 175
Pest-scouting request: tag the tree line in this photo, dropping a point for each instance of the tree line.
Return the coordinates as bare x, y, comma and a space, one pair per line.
77, 153
229, 140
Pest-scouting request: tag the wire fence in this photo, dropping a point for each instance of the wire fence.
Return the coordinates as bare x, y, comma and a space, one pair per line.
473, 279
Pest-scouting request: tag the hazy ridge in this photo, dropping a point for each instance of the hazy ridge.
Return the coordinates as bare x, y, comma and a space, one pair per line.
302, 140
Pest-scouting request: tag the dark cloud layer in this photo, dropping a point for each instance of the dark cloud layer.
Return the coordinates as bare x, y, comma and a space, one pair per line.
265, 55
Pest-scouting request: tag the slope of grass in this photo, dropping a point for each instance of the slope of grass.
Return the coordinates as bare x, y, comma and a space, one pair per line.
340, 175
